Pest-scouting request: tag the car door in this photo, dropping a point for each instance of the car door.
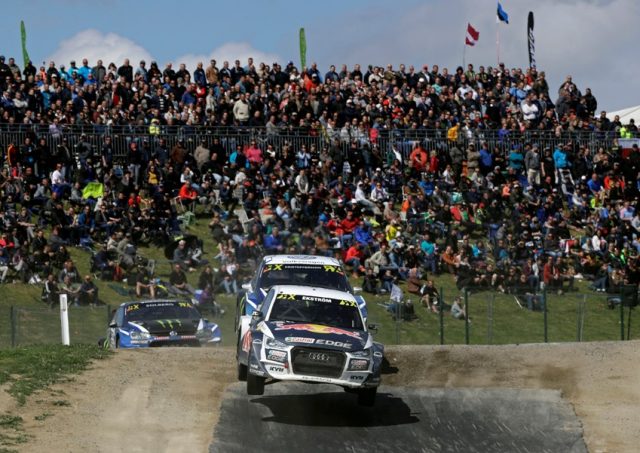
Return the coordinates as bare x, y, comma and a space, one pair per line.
116, 322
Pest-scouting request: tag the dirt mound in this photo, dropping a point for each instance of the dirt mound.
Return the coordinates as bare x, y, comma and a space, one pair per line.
169, 399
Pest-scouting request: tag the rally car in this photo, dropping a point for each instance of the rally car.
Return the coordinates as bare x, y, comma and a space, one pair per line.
143, 324
310, 334
305, 270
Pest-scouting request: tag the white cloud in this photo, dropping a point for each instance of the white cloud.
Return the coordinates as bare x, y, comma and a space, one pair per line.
95, 45
110, 47
231, 52
593, 40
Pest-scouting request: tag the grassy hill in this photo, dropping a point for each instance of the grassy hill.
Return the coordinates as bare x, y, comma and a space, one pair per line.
495, 318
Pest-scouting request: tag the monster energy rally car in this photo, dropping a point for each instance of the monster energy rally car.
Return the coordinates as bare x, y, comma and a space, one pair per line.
160, 323
309, 334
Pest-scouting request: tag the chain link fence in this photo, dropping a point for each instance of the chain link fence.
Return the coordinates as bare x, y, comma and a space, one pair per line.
492, 318
41, 325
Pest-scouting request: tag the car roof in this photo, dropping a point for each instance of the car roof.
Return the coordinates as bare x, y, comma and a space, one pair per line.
300, 259
154, 301
312, 291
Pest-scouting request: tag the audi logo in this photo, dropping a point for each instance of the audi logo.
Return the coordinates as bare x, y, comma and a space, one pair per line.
319, 357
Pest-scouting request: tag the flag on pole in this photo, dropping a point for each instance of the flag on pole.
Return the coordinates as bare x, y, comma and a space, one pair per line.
531, 41
502, 14
472, 36
23, 35
303, 50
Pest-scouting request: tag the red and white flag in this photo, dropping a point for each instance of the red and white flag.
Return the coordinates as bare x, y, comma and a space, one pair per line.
472, 35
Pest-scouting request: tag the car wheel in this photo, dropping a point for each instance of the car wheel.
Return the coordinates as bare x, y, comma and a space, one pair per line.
242, 372
367, 397
117, 342
255, 385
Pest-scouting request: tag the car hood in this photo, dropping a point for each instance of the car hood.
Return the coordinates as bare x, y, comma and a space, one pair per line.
318, 335
165, 326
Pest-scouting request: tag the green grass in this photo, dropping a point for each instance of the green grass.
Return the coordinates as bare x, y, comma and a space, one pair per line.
11, 433
495, 319
26, 370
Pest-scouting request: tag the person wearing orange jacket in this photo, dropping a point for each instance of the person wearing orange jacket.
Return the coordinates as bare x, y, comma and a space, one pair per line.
188, 195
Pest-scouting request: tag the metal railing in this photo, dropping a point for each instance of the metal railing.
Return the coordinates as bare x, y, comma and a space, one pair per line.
400, 140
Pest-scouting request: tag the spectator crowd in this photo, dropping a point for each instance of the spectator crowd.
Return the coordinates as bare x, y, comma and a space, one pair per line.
534, 217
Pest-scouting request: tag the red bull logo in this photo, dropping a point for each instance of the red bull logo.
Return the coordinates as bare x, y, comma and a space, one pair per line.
315, 328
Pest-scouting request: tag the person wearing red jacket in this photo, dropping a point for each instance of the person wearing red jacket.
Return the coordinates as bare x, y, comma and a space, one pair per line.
354, 258
346, 227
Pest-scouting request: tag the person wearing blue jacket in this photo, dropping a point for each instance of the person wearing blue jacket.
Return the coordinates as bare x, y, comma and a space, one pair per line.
560, 158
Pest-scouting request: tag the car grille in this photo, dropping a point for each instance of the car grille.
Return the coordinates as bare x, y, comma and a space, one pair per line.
317, 362
166, 341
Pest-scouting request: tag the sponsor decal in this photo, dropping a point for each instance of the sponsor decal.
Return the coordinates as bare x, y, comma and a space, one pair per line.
276, 369
132, 307
246, 342
315, 328
337, 344
316, 299
336, 269
276, 355
301, 258
348, 303
254, 366
357, 378
286, 296
306, 340
273, 267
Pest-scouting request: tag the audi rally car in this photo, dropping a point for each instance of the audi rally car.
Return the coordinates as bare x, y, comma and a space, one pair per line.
304, 270
311, 335
160, 323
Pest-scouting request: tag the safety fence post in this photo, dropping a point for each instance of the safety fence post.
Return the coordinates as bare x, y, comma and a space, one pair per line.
441, 315
621, 315
14, 326
466, 318
545, 312
490, 319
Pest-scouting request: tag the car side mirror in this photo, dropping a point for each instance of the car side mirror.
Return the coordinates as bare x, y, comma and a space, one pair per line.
357, 289
246, 286
113, 325
257, 315
373, 327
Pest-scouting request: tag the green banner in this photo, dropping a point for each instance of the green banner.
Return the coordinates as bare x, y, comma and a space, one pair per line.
25, 54
303, 50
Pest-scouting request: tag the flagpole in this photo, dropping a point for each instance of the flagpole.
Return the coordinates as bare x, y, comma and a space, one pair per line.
498, 41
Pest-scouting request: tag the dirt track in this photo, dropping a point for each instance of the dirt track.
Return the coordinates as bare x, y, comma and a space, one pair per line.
168, 399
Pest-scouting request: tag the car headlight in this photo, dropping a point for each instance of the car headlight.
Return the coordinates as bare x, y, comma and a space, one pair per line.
135, 335
358, 364
273, 343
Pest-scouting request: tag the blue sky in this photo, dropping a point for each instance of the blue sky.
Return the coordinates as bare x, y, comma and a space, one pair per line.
593, 40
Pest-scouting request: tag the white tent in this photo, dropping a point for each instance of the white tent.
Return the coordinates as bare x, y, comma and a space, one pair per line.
630, 113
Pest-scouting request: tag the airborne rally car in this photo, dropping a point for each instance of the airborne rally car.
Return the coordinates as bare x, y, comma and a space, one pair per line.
160, 323
312, 335
304, 270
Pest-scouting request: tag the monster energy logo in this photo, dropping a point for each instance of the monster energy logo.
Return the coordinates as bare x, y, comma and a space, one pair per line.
169, 323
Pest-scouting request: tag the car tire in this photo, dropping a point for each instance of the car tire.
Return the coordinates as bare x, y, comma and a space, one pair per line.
242, 372
367, 397
117, 342
255, 385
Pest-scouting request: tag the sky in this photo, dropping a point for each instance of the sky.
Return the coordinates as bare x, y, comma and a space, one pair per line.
594, 41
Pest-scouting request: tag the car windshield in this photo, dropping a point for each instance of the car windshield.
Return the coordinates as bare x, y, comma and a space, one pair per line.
326, 276
316, 310
161, 310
